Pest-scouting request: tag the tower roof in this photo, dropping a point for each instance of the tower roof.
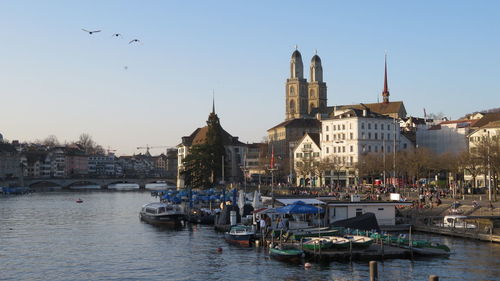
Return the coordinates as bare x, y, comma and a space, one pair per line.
385, 92
296, 55
316, 59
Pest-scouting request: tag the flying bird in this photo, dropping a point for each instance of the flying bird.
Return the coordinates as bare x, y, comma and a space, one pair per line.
91, 31
133, 41
117, 35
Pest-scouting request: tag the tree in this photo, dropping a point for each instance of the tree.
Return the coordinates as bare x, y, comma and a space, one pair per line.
87, 143
470, 163
305, 168
197, 169
51, 141
369, 166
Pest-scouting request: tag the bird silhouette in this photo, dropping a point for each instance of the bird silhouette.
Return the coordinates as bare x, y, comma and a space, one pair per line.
117, 35
91, 31
133, 41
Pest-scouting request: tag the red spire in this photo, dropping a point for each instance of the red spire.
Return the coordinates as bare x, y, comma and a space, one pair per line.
385, 93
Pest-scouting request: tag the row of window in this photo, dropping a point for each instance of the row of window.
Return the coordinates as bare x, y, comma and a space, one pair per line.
339, 127
306, 155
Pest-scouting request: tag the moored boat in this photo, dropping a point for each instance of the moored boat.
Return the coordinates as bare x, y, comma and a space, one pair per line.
159, 213
338, 242
313, 232
316, 243
286, 254
359, 241
240, 235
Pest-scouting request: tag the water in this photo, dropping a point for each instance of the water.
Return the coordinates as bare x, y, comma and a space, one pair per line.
48, 236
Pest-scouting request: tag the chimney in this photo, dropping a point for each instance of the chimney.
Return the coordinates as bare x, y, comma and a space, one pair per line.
365, 112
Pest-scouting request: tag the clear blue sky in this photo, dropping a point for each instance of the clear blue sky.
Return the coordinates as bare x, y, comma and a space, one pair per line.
55, 79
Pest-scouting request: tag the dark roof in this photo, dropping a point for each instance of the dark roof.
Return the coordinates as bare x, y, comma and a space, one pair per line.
316, 59
315, 138
353, 112
7, 147
381, 108
488, 117
199, 136
296, 54
298, 123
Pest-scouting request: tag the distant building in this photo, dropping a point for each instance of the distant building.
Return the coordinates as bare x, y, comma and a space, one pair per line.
233, 160
166, 165
256, 162
102, 165
307, 153
446, 137
9, 161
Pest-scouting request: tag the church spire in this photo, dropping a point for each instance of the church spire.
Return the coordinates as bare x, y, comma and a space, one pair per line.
385, 92
213, 101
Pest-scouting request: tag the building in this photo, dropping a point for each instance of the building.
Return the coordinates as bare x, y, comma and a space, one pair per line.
385, 212
348, 136
256, 162
234, 151
102, 165
166, 165
76, 161
491, 132
307, 156
446, 137
9, 161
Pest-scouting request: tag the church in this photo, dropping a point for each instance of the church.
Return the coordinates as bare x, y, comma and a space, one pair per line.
306, 104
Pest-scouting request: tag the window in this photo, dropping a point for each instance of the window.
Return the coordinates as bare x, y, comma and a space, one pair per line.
369, 136
362, 125
375, 126
350, 136
334, 136
369, 126
364, 148
389, 136
343, 126
376, 136
404, 145
343, 136
343, 148
388, 149
381, 126
369, 148
308, 145
327, 150
338, 127
315, 154
363, 135
326, 129
351, 148
350, 160
333, 127
388, 127
376, 148
380, 209
327, 137
350, 125
359, 212
334, 149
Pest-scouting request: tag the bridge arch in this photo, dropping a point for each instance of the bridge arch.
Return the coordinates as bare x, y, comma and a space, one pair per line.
81, 182
43, 182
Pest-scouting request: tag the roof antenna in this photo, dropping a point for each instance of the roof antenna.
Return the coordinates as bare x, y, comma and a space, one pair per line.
296, 47
315, 51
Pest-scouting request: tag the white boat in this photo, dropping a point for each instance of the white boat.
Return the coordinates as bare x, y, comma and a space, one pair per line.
124, 186
159, 213
85, 187
456, 221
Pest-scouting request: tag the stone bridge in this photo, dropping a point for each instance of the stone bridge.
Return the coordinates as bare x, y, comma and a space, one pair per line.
102, 182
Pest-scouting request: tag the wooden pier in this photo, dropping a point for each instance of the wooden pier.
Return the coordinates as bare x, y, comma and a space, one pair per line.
458, 232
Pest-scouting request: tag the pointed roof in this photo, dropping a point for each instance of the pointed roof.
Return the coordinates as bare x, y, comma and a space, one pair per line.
385, 92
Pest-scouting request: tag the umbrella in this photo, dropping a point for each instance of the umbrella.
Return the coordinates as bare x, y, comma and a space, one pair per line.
256, 199
299, 207
241, 199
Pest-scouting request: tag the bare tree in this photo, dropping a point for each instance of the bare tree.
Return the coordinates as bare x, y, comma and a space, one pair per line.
51, 141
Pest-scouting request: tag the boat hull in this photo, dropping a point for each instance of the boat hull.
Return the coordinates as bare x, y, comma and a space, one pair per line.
240, 240
286, 254
166, 220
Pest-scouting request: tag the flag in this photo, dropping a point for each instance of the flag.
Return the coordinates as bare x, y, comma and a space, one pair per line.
272, 158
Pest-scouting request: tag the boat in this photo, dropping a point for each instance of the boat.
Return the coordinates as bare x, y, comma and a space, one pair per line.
338, 242
124, 186
240, 235
359, 241
159, 213
456, 221
286, 253
201, 216
313, 232
316, 243
79, 200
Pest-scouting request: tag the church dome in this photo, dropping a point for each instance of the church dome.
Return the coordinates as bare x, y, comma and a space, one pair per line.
315, 60
296, 55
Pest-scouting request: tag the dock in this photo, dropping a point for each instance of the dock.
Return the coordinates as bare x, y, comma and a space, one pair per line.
457, 232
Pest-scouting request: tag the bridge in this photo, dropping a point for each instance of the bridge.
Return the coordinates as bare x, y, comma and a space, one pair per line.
102, 182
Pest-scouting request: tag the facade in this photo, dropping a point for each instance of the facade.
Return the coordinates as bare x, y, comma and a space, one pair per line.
102, 165
234, 151
446, 137
489, 131
9, 161
256, 162
307, 156
166, 165
346, 137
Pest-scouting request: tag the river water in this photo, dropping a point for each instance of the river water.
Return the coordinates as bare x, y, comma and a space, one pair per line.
47, 236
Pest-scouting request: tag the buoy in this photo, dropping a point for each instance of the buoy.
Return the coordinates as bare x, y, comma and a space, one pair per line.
307, 265
219, 250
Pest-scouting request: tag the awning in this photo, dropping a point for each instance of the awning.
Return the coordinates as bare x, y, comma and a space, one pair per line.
310, 201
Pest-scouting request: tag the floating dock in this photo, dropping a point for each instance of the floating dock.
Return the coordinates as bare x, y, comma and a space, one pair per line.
457, 232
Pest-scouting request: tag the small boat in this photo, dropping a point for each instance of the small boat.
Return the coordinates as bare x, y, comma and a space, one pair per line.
79, 200
201, 216
240, 235
360, 241
286, 253
316, 243
339, 242
313, 232
159, 213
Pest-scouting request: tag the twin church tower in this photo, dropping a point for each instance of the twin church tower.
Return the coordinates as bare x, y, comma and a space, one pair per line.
303, 98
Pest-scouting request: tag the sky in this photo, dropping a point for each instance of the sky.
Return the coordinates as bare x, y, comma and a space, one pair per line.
55, 79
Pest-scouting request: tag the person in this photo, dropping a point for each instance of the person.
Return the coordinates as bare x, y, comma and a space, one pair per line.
262, 224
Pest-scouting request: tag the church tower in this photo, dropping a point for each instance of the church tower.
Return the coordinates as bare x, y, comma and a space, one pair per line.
317, 88
385, 92
296, 89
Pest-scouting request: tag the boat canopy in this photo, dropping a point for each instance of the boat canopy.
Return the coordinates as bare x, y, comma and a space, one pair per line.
299, 207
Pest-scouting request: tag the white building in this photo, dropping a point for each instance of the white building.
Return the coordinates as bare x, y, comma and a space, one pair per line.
385, 212
347, 136
447, 136
307, 154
